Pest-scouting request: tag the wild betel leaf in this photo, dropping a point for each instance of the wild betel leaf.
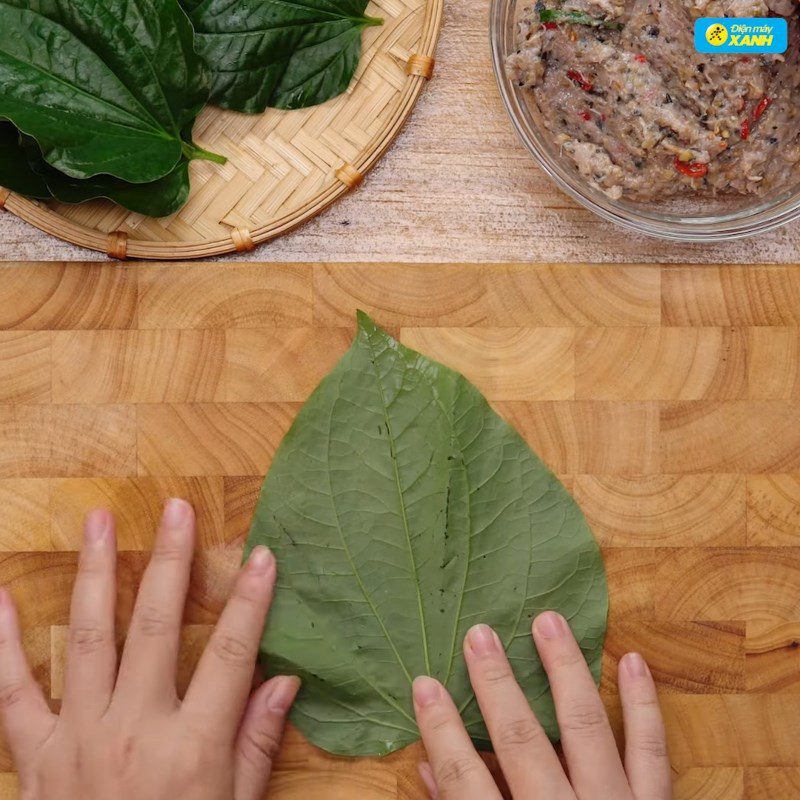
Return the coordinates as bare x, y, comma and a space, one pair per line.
23, 170
104, 88
15, 172
158, 198
402, 510
278, 53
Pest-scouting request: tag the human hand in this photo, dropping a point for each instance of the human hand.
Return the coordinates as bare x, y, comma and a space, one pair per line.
125, 734
528, 760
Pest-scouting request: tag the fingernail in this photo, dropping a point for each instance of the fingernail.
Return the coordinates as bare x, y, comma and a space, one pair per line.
261, 559
426, 773
483, 640
281, 694
5, 597
426, 691
98, 526
550, 625
634, 665
176, 512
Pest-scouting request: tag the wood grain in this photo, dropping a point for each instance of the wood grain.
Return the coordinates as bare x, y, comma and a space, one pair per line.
50, 441
500, 295
728, 583
631, 577
773, 656
688, 657
9, 787
280, 366
67, 296
137, 366
725, 730
724, 783
210, 439
192, 366
448, 295
240, 498
664, 510
25, 367
230, 296
773, 363
731, 294
623, 364
545, 358
140, 502
696, 437
26, 515
591, 437
773, 509
666, 398
770, 783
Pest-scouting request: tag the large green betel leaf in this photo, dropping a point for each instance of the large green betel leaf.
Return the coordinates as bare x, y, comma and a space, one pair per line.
104, 88
403, 510
23, 170
278, 53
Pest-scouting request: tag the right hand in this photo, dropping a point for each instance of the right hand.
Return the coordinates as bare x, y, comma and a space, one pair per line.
528, 760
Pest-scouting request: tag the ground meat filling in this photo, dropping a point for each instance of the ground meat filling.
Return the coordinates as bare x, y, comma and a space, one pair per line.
642, 115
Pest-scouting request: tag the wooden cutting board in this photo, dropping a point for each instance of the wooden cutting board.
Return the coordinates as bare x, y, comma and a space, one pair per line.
668, 398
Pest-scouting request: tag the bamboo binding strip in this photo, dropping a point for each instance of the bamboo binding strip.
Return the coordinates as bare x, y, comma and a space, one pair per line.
284, 167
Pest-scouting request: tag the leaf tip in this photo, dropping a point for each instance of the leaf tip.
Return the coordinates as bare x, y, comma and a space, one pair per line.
364, 321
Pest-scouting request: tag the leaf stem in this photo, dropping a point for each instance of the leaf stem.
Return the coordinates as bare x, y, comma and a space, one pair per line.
371, 22
191, 151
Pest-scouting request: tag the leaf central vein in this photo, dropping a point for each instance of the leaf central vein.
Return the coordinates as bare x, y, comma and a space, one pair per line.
401, 502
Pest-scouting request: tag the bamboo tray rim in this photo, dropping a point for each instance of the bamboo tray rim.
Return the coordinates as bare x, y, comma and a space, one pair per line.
117, 244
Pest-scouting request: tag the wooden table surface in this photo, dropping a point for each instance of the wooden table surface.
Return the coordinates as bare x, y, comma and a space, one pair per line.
668, 398
456, 186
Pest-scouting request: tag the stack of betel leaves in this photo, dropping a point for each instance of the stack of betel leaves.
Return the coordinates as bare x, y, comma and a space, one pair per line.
98, 98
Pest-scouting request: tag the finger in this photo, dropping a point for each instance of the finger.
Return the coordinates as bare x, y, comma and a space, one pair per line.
91, 652
458, 771
646, 758
221, 685
26, 717
595, 767
426, 773
149, 662
527, 758
260, 736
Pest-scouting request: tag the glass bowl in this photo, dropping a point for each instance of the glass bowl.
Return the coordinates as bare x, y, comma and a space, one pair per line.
689, 219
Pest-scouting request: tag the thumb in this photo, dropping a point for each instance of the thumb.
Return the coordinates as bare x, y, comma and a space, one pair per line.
260, 736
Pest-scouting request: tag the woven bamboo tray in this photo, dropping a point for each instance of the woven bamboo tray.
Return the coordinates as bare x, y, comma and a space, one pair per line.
284, 167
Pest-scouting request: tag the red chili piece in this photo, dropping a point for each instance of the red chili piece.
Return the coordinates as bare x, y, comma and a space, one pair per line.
548, 26
763, 105
579, 80
641, 58
745, 129
693, 169
586, 116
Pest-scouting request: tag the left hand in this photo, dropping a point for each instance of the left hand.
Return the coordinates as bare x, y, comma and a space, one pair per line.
126, 734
